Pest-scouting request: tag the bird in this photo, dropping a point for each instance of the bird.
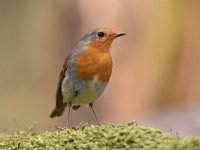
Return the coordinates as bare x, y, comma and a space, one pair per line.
86, 72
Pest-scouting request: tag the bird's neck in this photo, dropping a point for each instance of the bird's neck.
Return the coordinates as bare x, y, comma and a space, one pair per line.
98, 45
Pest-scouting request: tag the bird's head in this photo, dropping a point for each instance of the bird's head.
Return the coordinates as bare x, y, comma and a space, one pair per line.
100, 38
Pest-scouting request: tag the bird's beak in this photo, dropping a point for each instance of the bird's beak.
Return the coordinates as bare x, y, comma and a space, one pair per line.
119, 34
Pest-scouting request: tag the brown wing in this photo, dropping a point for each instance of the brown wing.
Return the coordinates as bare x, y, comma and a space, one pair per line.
59, 96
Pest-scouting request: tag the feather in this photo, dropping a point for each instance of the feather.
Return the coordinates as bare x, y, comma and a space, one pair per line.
60, 106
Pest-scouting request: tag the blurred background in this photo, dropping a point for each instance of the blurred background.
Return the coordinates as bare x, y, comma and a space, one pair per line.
156, 74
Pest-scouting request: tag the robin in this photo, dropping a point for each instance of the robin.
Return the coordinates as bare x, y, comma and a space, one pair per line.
86, 72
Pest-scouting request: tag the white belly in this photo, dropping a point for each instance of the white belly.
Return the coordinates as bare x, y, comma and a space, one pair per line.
89, 93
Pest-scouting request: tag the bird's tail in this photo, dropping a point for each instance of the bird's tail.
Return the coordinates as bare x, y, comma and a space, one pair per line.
58, 111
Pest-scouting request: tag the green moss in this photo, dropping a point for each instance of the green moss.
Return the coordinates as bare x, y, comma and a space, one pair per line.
128, 136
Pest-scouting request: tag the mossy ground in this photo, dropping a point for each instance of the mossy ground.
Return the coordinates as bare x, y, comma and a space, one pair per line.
108, 137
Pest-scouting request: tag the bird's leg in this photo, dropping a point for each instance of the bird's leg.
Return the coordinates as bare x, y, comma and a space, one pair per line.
68, 114
91, 106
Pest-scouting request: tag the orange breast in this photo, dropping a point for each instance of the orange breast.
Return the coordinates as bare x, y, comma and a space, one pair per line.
94, 62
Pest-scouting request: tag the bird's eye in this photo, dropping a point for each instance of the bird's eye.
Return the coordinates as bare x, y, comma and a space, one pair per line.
100, 34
